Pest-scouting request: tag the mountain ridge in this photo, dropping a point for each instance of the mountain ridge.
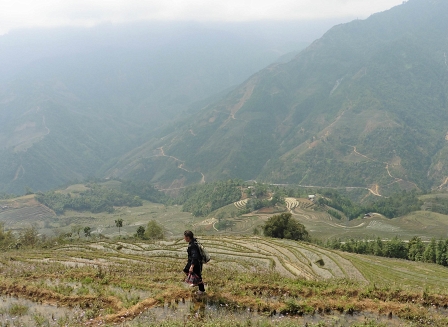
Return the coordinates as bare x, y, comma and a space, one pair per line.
363, 106
86, 96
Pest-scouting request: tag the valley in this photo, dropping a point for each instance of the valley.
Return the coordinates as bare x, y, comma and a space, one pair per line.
111, 277
314, 172
110, 282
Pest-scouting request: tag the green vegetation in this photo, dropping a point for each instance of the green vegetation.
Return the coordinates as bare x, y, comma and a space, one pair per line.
332, 117
303, 282
119, 224
153, 231
396, 205
284, 226
200, 200
144, 190
95, 199
414, 250
437, 204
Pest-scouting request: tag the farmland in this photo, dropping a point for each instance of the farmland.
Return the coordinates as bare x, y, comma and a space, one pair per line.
24, 212
111, 278
120, 282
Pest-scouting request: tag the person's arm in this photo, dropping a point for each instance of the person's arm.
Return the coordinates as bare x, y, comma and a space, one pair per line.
194, 257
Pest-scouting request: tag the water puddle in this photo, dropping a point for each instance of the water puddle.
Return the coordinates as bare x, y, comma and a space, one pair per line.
22, 312
194, 309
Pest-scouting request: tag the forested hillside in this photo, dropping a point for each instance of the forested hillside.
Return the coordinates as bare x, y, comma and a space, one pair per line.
364, 107
73, 101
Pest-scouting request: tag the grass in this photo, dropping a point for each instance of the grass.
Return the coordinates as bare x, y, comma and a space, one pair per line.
111, 286
24, 212
18, 309
114, 281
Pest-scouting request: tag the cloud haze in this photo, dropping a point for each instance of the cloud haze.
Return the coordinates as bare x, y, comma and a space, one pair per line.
38, 13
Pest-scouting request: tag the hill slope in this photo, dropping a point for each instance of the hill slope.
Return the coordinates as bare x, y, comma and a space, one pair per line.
364, 106
72, 100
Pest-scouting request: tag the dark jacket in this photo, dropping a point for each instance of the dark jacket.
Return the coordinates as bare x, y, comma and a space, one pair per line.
194, 257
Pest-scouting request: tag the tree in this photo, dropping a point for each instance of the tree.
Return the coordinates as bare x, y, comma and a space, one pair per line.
5, 237
441, 249
76, 229
154, 231
284, 226
396, 248
29, 236
140, 232
87, 231
430, 252
28, 190
416, 248
277, 198
119, 224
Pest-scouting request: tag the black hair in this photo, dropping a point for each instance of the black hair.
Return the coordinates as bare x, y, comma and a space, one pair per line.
189, 234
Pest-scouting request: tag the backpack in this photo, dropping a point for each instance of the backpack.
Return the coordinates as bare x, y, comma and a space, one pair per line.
204, 254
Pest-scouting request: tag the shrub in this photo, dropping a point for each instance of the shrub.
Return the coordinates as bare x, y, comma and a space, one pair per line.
284, 226
154, 231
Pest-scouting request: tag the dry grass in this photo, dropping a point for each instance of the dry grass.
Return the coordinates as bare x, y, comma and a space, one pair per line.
113, 285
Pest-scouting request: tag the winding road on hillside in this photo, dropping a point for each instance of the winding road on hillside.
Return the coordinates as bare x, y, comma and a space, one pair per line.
180, 166
375, 189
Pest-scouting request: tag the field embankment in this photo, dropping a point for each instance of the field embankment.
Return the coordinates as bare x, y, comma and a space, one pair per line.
117, 281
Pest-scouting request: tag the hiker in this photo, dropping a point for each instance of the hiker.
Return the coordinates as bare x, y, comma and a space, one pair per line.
194, 264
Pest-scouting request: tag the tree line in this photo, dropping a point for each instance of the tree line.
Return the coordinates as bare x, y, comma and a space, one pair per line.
96, 199
30, 237
201, 200
434, 251
397, 205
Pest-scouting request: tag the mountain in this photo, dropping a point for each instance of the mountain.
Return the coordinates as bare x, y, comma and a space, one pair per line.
73, 100
365, 106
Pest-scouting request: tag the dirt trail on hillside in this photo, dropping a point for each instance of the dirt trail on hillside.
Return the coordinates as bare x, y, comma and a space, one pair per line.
19, 170
180, 166
375, 189
249, 89
443, 184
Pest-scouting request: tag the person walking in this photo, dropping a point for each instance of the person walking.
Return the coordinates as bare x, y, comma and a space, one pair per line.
194, 264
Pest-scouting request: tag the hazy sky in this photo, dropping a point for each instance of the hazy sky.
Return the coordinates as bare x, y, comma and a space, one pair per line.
31, 13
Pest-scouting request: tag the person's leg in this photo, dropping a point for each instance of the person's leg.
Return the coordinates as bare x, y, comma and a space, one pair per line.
198, 271
186, 269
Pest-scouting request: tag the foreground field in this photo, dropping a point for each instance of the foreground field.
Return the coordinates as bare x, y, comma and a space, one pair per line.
107, 283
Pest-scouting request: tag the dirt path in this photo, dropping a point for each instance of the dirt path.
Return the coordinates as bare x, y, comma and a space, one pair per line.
375, 189
180, 166
19, 170
362, 155
443, 184
249, 89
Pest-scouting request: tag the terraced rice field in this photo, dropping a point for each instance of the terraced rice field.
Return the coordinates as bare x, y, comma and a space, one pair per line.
288, 258
108, 283
16, 218
241, 204
291, 203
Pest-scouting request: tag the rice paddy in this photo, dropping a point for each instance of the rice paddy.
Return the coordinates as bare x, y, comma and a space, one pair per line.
266, 281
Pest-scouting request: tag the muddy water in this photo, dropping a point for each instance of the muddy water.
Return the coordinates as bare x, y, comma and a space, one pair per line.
205, 310
21, 312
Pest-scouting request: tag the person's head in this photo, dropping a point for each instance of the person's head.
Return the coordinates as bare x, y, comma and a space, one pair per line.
188, 235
